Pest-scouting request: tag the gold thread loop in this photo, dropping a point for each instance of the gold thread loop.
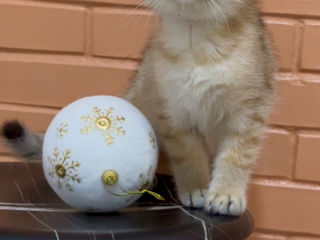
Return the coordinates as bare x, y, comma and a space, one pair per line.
111, 177
153, 194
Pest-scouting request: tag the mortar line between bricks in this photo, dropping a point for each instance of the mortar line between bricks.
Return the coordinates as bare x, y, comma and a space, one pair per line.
8, 156
78, 60
133, 5
41, 3
291, 16
38, 108
280, 128
116, 6
81, 5
4, 50
297, 76
5, 154
259, 177
286, 234
293, 128
310, 71
117, 58
88, 3
88, 32
39, 51
297, 46
286, 183
295, 155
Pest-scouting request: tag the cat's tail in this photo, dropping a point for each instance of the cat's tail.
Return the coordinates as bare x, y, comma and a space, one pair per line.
21, 140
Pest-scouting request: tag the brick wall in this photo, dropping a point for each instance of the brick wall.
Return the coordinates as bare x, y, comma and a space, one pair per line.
53, 52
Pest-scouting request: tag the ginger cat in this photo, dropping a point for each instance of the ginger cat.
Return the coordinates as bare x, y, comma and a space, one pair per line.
206, 83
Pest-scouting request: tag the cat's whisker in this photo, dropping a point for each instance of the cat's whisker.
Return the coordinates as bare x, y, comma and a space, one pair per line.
125, 20
244, 4
234, 11
160, 7
211, 7
147, 22
206, 12
216, 5
130, 18
141, 5
223, 16
155, 4
154, 15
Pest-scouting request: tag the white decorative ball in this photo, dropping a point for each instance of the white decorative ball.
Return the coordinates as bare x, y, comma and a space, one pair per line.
99, 152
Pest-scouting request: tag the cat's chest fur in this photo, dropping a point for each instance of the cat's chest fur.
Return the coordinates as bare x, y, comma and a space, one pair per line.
192, 94
192, 76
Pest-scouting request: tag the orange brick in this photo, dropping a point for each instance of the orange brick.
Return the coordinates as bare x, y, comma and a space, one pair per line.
121, 33
59, 83
298, 104
37, 119
277, 154
308, 161
285, 206
283, 36
310, 59
42, 27
294, 7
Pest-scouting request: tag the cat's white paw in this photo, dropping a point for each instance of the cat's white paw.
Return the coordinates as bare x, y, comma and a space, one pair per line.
194, 199
225, 202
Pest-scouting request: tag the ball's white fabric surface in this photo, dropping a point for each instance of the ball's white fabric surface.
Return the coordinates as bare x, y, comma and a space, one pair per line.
92, 135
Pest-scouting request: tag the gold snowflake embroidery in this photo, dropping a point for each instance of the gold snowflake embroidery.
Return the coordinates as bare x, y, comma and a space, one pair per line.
105, 122
63, 168
62, 129
152, 140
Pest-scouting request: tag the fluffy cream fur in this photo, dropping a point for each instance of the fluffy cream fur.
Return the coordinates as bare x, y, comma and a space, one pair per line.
206, 84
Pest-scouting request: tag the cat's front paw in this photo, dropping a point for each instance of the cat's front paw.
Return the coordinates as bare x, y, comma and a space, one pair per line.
225, 202
193, 199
